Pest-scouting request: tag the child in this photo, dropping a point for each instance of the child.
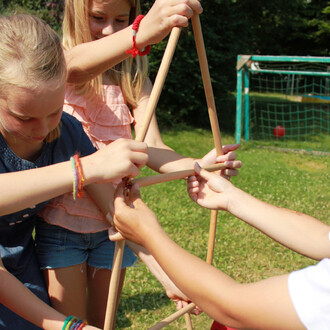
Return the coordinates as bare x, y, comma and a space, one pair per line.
293, 301
100, 95
36, 143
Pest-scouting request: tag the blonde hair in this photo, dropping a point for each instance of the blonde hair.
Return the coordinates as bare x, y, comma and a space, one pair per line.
130, 74
30, 55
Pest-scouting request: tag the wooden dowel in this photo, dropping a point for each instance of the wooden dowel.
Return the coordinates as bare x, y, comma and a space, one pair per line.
152, 103
212, 233
173, 317
207, 82
216, 136
200, 46
188, 321
110, 316
159, 82
165, 177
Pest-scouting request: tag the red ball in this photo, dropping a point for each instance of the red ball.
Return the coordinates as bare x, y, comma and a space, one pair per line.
279, 131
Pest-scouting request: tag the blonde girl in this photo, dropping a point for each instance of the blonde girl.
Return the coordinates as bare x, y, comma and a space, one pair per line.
36, 143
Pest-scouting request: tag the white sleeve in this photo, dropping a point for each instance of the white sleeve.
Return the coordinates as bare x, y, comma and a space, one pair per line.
309, 290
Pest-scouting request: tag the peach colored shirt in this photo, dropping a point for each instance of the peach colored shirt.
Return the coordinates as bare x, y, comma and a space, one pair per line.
104, 122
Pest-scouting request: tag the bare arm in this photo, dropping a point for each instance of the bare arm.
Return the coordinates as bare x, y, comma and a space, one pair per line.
162, 158
88, 60
172, 291
299, 232
15, 296
19, 190
262, 305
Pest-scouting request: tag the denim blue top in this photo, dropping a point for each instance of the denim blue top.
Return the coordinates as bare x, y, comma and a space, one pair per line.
16, 243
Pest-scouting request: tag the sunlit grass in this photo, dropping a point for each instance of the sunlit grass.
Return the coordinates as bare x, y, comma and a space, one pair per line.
291, 180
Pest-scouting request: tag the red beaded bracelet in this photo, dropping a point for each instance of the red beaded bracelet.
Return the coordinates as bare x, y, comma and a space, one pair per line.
134, 51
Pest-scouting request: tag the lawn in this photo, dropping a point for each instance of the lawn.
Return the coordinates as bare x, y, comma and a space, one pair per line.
291, 180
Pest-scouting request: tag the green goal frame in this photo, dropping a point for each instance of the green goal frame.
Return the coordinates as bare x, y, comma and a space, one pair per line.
245, 69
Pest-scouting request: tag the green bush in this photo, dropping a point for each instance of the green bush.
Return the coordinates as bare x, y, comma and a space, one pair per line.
50, 11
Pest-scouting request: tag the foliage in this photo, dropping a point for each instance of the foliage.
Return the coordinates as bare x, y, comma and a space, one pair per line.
230, 28
50, 11
281, 27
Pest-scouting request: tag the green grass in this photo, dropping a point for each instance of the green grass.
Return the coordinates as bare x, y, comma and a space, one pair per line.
296, 181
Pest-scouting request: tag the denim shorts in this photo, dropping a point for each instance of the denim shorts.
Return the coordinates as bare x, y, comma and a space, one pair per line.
58, 247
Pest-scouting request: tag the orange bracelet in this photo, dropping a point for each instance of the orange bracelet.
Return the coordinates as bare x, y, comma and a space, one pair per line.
80, 175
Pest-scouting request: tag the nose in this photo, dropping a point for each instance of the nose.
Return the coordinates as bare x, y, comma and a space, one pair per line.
108, 29
41, 128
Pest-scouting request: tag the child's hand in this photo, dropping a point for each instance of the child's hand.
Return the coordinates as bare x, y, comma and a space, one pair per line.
163, 16
228, 157
209, 190
133, 218
121, 158
181, 301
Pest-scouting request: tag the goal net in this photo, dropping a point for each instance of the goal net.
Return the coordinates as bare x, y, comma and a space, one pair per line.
284, 101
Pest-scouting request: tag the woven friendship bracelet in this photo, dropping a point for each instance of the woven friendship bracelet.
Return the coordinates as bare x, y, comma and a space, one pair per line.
134, 51
78, 177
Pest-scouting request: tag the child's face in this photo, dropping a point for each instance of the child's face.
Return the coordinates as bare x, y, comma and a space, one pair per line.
27, 116
108, 16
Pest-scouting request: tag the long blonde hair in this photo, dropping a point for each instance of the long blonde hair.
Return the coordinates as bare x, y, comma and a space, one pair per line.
130, 74
30, 55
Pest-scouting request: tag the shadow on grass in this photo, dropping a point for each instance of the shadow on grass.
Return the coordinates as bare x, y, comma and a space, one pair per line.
147, 302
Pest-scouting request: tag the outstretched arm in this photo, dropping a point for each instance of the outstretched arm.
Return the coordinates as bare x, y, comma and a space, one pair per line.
162, 158
261, 305
19, 190
299, 232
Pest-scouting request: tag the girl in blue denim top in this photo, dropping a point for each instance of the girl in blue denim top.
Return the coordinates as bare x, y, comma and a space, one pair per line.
37, 144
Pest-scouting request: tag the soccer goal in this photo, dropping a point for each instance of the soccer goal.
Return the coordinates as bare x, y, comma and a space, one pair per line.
284, 101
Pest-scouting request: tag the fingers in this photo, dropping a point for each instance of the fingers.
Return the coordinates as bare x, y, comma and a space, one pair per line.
114, 235
119, 196
186, 8
197, 310
182, 303
214, 181
229, 147
134, 195
109, 218
203, 173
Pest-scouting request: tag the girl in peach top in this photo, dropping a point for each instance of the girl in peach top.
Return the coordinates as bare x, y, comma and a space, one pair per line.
72, 239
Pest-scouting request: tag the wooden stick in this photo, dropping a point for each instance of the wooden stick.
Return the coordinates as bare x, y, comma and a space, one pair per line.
213, 117
207, 82
159, 82
215, 131
165, 177
188, 321
173, 317
152, 103
110, 316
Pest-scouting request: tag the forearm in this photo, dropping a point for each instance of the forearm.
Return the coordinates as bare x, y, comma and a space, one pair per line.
207, 287
19, 190
299, 232
88, 60
154, 267
15, 296
260, 305
166, 160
